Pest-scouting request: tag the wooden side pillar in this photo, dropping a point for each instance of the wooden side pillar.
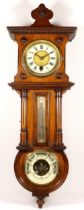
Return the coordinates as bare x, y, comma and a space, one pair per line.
24, 144
24, 130
58, 144
59, 117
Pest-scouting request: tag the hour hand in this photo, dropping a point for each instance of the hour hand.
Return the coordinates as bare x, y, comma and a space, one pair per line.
47, 54
41, 57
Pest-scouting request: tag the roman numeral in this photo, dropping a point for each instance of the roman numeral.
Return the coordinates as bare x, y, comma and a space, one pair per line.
31, 52
47, 68
52, 58
29, 58
51, 63
47, 48
41, 47
35, 48
31, 63
35, 67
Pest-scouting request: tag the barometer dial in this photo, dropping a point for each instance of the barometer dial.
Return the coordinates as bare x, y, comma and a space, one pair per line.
41, 167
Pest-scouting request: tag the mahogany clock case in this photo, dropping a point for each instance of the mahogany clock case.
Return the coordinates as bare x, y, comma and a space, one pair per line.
48, 89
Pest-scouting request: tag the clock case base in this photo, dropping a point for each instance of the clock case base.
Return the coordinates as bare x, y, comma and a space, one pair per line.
40, 199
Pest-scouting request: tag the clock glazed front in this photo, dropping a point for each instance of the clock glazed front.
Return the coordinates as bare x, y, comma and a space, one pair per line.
41, 165
41, 58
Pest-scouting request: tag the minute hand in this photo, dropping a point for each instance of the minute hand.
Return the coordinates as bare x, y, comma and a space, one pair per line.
42, 57
47, 54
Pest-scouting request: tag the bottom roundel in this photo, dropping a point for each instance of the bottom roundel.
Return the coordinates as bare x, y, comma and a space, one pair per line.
40, 168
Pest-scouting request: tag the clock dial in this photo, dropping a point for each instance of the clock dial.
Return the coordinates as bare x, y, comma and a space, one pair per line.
41, 58
41, 167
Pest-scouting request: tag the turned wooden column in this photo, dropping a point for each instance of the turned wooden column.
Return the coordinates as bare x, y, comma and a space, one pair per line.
24, 143
59, 117
24, 130
58, 144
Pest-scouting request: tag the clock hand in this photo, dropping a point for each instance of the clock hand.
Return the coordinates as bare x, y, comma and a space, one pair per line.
50, 52
42, 57
47, 54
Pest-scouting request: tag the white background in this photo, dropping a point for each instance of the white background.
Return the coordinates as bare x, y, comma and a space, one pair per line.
12, 195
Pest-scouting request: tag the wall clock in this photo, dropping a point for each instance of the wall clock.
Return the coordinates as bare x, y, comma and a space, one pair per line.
41, 165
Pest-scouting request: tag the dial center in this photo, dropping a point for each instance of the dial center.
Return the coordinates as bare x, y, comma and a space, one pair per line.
41, 167
41, 58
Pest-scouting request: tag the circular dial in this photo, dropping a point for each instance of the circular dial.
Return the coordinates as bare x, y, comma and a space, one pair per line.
41, 58
41, 167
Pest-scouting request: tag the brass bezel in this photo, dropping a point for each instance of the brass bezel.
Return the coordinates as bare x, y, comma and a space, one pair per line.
55, 68
40, 151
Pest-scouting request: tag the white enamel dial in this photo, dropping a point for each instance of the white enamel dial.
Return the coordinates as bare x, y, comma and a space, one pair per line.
41, 58
41, 167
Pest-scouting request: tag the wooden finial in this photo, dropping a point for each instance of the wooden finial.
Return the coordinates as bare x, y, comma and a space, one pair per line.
42, 16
